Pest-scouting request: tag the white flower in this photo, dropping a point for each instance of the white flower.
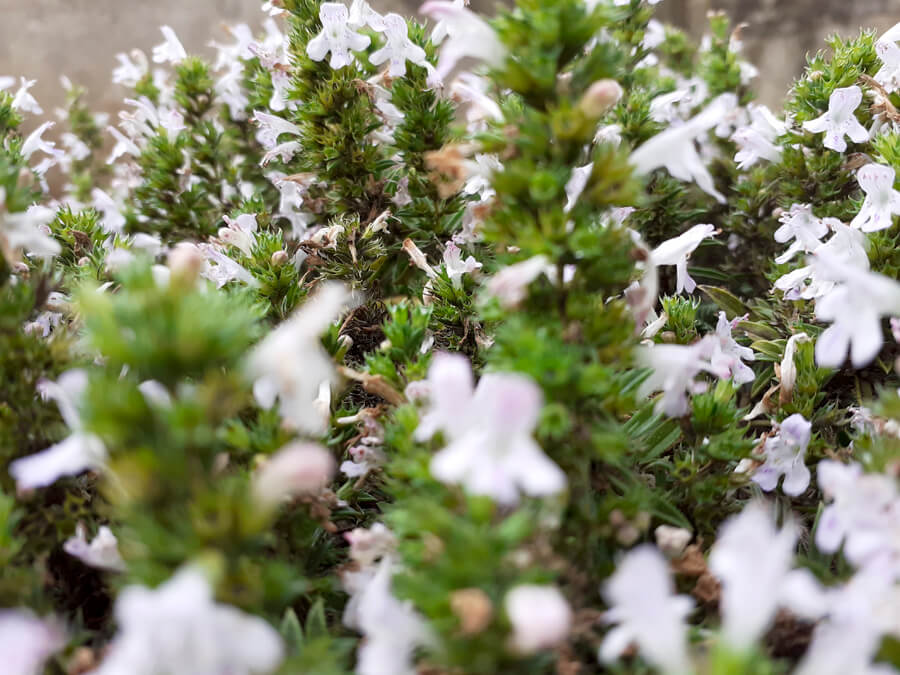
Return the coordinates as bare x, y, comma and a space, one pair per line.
888, 76
471, 90
225, 269
26, 641
467, 35
677, 250
26, 232
271, 8
178, 629
757, 141
440, 30
133, 67
398, 48
846, 245
361, 14
102, 552
290, 363
455, 265
540, 617
854, 307
170, 50
641, 596
882, 201
510, 283
336, 37
123, 146
788, 369
490, 451
785, 455
857, 615
840, 121
841, 648
675, 148
367, 546
241, 232
297, 469
860, 512
576, 184
79, 452
729, 356
392, 629
34, 142
271, 127
23, 101
799, 224
479, 174
752, 559
654, 34
674, 369
365, 458
112, 222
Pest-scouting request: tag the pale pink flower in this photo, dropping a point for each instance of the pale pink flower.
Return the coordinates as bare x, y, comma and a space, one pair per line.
455, 266
297, 469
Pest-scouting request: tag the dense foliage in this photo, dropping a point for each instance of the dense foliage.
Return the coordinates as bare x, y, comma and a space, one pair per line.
470, 346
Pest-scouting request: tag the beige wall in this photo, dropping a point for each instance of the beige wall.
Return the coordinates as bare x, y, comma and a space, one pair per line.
782, 32
44, 39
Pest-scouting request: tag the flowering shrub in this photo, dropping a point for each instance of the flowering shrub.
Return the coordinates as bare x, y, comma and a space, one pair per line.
521, 345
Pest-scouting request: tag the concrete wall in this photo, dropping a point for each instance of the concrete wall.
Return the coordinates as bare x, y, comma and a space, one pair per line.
782, 32
44, 39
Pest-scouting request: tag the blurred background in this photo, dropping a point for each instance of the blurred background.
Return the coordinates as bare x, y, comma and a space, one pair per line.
43, 39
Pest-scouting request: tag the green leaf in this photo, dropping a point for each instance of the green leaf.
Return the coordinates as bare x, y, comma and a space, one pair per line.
772, 350
291, 631
725, 300
316, 625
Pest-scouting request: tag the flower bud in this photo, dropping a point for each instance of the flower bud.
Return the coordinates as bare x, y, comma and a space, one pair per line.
600, 98
186, 262
540, 617
672, 541
473, 608
297, 469
279, 258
